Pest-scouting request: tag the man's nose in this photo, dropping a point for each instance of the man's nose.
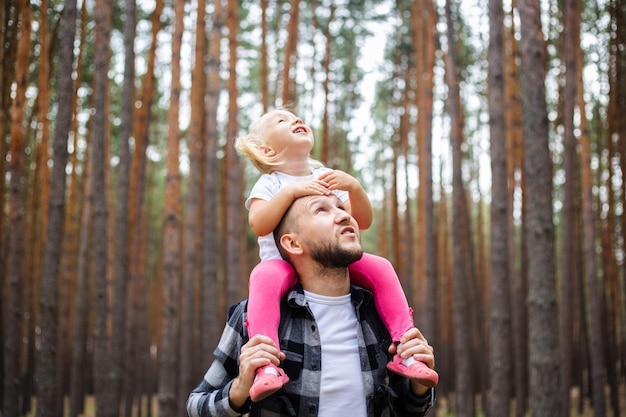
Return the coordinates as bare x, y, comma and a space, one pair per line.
342, 216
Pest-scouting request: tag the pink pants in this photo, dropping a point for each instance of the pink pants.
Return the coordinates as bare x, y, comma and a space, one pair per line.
271, 280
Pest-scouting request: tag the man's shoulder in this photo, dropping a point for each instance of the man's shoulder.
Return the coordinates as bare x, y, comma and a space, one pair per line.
236, 317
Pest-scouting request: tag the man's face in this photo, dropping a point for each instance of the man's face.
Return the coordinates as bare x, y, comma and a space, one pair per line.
328, 232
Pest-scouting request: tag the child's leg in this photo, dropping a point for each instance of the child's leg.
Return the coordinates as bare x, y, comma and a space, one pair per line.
269, 282
377, 275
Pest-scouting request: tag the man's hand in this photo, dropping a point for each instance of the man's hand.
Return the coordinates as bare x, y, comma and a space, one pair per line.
258, 352
413, 343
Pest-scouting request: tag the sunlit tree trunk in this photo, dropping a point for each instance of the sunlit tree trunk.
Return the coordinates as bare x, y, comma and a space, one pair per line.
50, 393
325, 139
137, 344
15, 231
172, 238
515, 175
37, 209
212, 313
500, 367
445, 297
545, 386
235, 280
424, 17
192, 219
291, 57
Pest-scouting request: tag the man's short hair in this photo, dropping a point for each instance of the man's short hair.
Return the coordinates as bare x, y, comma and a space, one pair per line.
287, 224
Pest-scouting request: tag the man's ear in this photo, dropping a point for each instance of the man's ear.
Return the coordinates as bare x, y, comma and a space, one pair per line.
290, 244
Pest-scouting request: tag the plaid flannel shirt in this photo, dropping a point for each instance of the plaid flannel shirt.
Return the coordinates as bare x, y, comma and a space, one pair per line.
387, 394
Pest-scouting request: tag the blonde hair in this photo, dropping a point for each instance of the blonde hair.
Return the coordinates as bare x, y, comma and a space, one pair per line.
252, 143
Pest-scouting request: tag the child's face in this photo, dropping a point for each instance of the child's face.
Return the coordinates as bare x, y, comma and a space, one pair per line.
286, 133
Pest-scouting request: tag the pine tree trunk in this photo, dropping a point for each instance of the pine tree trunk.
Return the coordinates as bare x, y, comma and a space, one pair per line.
172, 238
49, 392
463, 324
189, 355
500, 367
15, 232
544, 361
570, 209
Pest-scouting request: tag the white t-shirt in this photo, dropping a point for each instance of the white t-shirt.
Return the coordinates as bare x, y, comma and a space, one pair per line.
341, 387
267, 186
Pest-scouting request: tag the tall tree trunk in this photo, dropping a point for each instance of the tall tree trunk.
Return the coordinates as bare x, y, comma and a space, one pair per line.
595, 296
290, 97
464, 379
325, 139
104, 406
264, 81
424, 18
48, 403
570, 209
75, 266
137, 343
235, 285
545, 386
500, 367
172, 238
121, 264
211, 312
15, 231
515, 175
192, 218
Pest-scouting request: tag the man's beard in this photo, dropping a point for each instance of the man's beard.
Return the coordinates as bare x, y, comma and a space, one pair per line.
335, 256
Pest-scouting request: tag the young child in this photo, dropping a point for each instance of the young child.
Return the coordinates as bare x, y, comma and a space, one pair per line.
279, 145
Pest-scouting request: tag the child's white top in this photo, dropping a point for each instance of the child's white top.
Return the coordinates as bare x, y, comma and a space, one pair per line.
267, 186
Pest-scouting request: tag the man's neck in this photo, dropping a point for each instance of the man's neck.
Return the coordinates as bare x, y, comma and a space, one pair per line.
326, 281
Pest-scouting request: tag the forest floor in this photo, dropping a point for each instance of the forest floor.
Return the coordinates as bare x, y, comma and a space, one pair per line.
577, 410
443, 408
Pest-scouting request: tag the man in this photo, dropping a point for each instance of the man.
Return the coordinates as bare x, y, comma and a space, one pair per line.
334, 348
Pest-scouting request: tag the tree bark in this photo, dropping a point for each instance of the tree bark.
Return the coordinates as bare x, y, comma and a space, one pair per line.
544, 361
463, 323
172, 238
500, 367
212, 312
235, 283
15, 230
290, 97
48, 390
104, 407
192, 219
595, 295
570, 209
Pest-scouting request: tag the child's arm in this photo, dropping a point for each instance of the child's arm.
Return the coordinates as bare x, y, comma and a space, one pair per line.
264, 215
359, 206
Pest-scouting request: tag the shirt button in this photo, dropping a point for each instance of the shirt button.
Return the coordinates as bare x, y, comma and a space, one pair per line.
312, 327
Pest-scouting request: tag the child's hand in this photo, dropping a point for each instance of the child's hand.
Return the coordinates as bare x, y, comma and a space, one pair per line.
305, 188
339, 180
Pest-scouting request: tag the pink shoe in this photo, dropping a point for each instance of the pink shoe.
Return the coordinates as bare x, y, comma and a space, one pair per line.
266, 383
416, 370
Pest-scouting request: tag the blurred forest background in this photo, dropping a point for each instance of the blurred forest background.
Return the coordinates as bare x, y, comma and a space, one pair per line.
490, 136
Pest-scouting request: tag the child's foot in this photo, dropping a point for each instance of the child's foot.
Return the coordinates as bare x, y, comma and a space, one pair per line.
411, 368
268, 380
